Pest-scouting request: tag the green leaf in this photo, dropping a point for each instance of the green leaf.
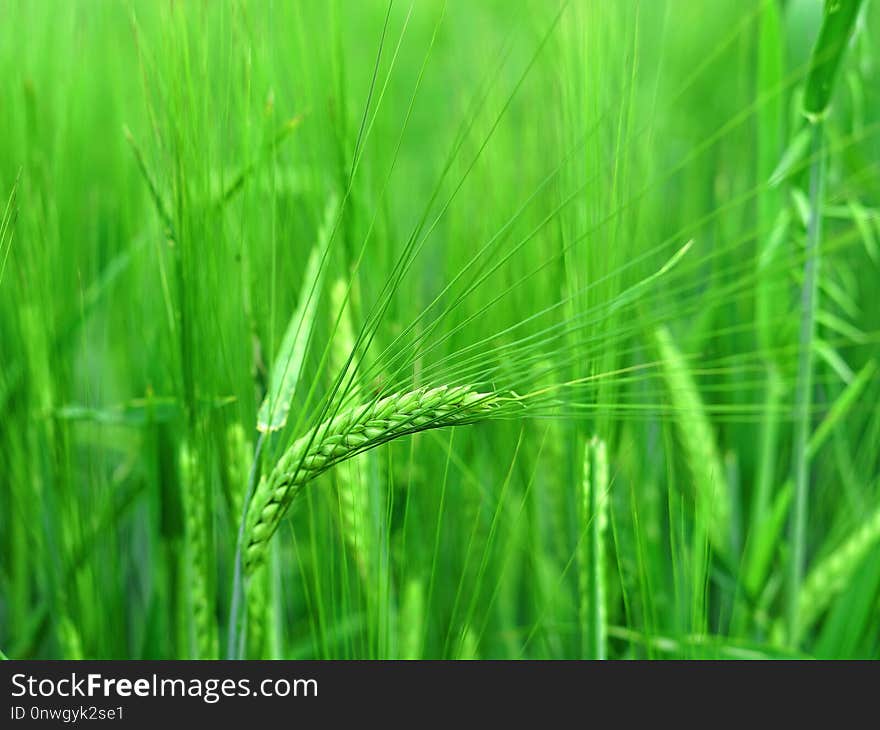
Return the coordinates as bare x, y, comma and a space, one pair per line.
862, 219
764, 542
833, 359
792, 157
286, 370
841, 407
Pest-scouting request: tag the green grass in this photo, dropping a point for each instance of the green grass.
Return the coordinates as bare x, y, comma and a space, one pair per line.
224, 224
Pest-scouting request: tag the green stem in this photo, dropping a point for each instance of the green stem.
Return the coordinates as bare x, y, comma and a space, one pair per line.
769, 444
803, 393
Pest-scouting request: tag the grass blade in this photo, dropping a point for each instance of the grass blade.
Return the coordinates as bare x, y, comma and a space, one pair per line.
764, 541
837, 413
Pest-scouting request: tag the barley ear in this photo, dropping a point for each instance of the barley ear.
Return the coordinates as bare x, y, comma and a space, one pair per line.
352, 432
359, 527
832, 574
203, 635
69, 638
468, 648
591, 576
412, 620
240, 453
258, 602
711, 493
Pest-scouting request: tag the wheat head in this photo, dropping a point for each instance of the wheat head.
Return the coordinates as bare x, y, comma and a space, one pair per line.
349, 433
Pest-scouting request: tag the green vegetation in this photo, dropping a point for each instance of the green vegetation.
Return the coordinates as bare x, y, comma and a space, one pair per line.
439, 330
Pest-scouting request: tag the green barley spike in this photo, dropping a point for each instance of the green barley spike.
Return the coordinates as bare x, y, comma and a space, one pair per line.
351, 484
468, 648
204, 640
240, 452
258, 604
70, 640
351, 432
695, 434
412, 616
832, 575
592, 584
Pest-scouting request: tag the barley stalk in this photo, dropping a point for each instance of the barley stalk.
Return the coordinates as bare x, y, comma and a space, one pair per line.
283, 381
349, 433
837, 26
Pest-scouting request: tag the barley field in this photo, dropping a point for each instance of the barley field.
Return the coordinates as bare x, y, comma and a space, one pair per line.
419, 329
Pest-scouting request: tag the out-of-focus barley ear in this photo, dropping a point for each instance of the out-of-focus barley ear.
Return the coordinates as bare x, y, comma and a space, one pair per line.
359, 529
468, 646
240, 454
259, 606
591, 575
69, 639
832, 574
697, 439
203, 628
412, 620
